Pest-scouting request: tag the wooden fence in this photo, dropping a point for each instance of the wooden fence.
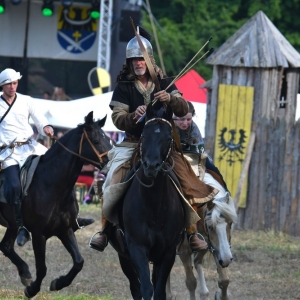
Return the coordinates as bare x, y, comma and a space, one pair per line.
273, 199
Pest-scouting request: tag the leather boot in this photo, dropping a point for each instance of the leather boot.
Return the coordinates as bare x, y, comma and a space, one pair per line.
23, 234
196, 243
99, 240
83, 222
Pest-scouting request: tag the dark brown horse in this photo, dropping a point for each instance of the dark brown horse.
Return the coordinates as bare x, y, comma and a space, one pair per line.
152, 216
50, 209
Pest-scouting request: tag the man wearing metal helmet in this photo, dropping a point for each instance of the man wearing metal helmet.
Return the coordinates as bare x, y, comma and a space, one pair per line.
16, 144
134, 91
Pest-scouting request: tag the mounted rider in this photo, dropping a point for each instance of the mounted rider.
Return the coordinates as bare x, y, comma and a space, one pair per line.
134, 91
16, 143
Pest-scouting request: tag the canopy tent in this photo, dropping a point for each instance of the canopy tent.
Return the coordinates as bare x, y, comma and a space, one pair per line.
189, 84
68, 114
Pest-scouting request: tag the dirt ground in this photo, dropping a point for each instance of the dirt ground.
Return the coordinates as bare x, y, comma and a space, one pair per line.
265, 266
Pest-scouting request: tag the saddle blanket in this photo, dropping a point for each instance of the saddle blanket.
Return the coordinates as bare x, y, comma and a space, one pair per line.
113, 193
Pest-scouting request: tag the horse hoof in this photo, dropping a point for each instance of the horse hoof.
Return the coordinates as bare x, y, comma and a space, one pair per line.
53, 285
27, 293
26, 281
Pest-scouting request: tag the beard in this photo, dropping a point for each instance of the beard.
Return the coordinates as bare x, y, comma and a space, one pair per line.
140, 72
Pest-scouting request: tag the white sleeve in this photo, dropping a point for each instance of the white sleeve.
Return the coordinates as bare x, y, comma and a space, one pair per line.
38, 118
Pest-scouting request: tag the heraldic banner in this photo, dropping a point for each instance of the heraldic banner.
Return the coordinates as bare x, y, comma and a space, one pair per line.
233, 128
69, 34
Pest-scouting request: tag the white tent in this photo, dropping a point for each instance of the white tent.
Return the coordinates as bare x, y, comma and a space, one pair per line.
68, 114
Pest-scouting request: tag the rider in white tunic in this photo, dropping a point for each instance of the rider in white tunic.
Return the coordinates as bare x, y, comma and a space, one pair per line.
16, 144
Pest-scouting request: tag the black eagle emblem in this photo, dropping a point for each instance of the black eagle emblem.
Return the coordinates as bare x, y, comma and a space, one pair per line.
233, 151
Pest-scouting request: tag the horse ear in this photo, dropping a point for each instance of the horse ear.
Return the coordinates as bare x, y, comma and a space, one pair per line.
89, 119
168, 113
102, 121
150, 112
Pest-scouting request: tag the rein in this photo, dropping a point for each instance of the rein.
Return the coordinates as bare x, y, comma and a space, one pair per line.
84, 134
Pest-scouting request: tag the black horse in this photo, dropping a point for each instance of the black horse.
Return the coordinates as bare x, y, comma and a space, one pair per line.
152, 215
50, 209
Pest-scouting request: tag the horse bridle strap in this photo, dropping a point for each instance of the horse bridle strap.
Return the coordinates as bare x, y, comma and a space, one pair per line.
93, 147
84, 134
162, 121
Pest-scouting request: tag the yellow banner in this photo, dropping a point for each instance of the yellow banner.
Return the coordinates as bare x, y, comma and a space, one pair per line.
234, 118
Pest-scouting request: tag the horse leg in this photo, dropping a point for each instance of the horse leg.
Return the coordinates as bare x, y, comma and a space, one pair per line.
223, 283
139, 257
168, 289
7, 248
70, 243
185, 256
39, 248
161, 273
198, 263
130, 272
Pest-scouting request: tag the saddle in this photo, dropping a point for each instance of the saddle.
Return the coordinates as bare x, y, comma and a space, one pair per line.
26, 176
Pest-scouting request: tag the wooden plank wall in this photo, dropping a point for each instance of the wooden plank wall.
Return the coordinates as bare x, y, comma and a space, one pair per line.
273, 200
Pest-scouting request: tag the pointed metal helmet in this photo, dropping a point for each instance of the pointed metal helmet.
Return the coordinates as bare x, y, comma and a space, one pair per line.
8, 76
133, 48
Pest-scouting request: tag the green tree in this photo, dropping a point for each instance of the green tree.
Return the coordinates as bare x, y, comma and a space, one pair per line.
184, 26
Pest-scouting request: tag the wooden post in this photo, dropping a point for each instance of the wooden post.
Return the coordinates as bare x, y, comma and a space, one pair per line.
245, 169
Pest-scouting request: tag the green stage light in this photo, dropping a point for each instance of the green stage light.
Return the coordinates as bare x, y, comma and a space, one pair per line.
95, 10
2, 6
47, 8
95, 14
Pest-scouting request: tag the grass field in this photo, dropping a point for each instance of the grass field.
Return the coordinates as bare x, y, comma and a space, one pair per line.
265, 266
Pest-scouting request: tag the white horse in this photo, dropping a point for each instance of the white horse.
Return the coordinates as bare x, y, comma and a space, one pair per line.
215, 225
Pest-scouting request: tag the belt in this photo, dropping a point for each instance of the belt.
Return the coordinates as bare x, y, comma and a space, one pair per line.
16, 144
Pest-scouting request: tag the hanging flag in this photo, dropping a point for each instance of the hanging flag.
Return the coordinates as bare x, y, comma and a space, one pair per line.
234, 119
76, 30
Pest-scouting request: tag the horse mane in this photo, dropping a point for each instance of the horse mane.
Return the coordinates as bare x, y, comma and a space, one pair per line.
223, 208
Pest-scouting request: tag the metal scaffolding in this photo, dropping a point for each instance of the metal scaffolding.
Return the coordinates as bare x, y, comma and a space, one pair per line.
103, 60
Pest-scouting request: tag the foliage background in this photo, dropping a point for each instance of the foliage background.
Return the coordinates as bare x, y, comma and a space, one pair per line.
185, 26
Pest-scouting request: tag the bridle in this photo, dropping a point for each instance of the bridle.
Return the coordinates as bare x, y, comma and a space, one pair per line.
167, 156
84, 135
208, 213
171, 143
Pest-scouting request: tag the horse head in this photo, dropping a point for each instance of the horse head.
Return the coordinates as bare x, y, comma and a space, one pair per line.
219, 216
94, 142
156, 140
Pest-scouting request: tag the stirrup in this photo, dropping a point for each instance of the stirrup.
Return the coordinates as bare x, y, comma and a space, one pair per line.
196, 233
91, 246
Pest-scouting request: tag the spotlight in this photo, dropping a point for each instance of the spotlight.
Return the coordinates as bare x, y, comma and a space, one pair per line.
15, 2
47, 8
66, 3
2, 6
95, 9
